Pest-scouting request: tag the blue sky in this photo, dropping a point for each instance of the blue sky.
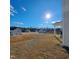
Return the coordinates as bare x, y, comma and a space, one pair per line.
31, 13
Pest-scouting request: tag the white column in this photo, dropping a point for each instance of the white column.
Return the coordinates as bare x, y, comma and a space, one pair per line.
66, 22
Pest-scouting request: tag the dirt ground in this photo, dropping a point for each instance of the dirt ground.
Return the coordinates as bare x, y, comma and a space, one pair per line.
37, 46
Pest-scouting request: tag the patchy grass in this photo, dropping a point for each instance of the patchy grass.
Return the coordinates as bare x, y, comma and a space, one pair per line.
36, 46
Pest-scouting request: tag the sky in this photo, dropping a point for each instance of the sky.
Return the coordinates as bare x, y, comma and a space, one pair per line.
35, 13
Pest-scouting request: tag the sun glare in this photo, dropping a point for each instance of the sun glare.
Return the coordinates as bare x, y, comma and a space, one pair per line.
48, 16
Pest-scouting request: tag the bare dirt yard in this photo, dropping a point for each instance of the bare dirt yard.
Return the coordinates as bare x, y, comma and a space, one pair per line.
36, 46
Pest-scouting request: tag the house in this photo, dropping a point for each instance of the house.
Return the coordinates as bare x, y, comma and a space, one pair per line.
58, 27
42, 30
15, 32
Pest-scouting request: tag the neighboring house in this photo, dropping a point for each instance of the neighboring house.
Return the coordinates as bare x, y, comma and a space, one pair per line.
58, 27
27, 30
57, 24
15, 32
42, 31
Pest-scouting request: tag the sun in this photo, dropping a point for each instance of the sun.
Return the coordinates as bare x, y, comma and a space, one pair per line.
48, 15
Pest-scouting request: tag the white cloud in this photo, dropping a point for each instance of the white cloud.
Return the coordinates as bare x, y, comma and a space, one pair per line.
11, 7
53, 22
43, 25
19, 23
56, 21
12, 11
24, 9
